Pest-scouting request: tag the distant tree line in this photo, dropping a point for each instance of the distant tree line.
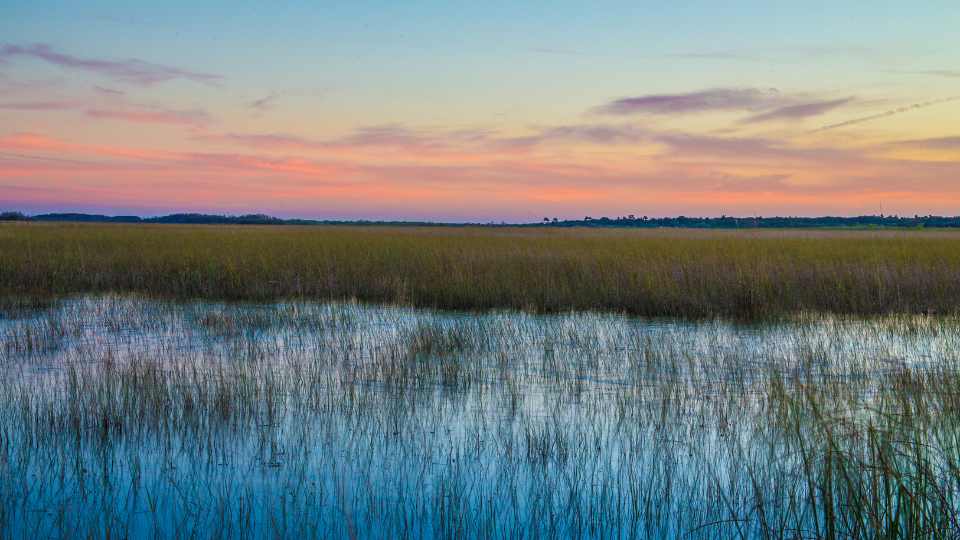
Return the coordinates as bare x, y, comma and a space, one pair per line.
13, 216
777, 222
722, 222
196, 219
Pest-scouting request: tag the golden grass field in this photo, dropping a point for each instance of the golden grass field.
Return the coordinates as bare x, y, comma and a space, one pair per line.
663, 272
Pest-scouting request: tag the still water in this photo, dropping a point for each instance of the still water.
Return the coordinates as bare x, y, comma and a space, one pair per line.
142, 418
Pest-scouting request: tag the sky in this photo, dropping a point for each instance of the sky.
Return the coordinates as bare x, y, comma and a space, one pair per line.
480, 111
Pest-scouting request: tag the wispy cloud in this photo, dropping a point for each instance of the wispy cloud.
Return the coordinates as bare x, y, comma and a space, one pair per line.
689, 147
713, 99
272, 100
694, 171
404, 138
604, 134
381, 136
949, 73
265, 140
15, 86
557, 51
153, 115
263, 104
38, 105
131, 70
799, 111
110, 104
108, 91
793, 53
934, 143
718, 55
388, 135
430, 147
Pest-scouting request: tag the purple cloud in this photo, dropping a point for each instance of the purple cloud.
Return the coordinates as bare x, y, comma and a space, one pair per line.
264, 103
387, 135
265, 140
587, 133
799, 111
395, 135
38, 106
936, 143
398, 135
130, 70
599, 134
153, 115
32, 88
714, 99
749, 149
108, 91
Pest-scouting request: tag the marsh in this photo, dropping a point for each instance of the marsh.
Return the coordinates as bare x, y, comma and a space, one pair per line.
128, 416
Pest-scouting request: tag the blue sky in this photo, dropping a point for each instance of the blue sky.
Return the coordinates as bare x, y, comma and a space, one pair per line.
450, 90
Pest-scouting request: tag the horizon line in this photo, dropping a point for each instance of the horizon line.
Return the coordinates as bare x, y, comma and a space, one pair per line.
266, 219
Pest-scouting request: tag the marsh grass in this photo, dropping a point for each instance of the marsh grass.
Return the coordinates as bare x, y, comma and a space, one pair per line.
21, 306
128, 417
748, 275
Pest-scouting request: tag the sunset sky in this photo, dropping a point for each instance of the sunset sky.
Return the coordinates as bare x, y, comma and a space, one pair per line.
480, 111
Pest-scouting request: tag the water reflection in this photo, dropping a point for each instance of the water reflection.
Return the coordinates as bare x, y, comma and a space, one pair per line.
139, 418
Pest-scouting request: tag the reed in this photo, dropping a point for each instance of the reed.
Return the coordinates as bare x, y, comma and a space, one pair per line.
748, 275
145, 418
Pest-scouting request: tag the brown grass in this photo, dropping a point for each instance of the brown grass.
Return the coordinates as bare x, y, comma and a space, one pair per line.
748, 274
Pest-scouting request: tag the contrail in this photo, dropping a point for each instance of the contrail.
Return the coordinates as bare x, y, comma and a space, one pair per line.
906, 108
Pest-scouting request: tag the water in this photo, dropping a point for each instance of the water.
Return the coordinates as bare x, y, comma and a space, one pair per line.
143, 418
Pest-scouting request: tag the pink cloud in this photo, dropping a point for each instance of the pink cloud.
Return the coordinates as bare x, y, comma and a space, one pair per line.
687, 173
439, 142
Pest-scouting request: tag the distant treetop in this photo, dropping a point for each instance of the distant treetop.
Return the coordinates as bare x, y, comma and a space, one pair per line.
631, 220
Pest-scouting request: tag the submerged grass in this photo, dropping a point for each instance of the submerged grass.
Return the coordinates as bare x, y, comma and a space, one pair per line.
750, 275
139, 418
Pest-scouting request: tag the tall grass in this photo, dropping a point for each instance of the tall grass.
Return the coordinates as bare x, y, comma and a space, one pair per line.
669, 273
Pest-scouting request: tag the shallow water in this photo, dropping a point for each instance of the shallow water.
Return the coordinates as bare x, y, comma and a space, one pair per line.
141, 418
